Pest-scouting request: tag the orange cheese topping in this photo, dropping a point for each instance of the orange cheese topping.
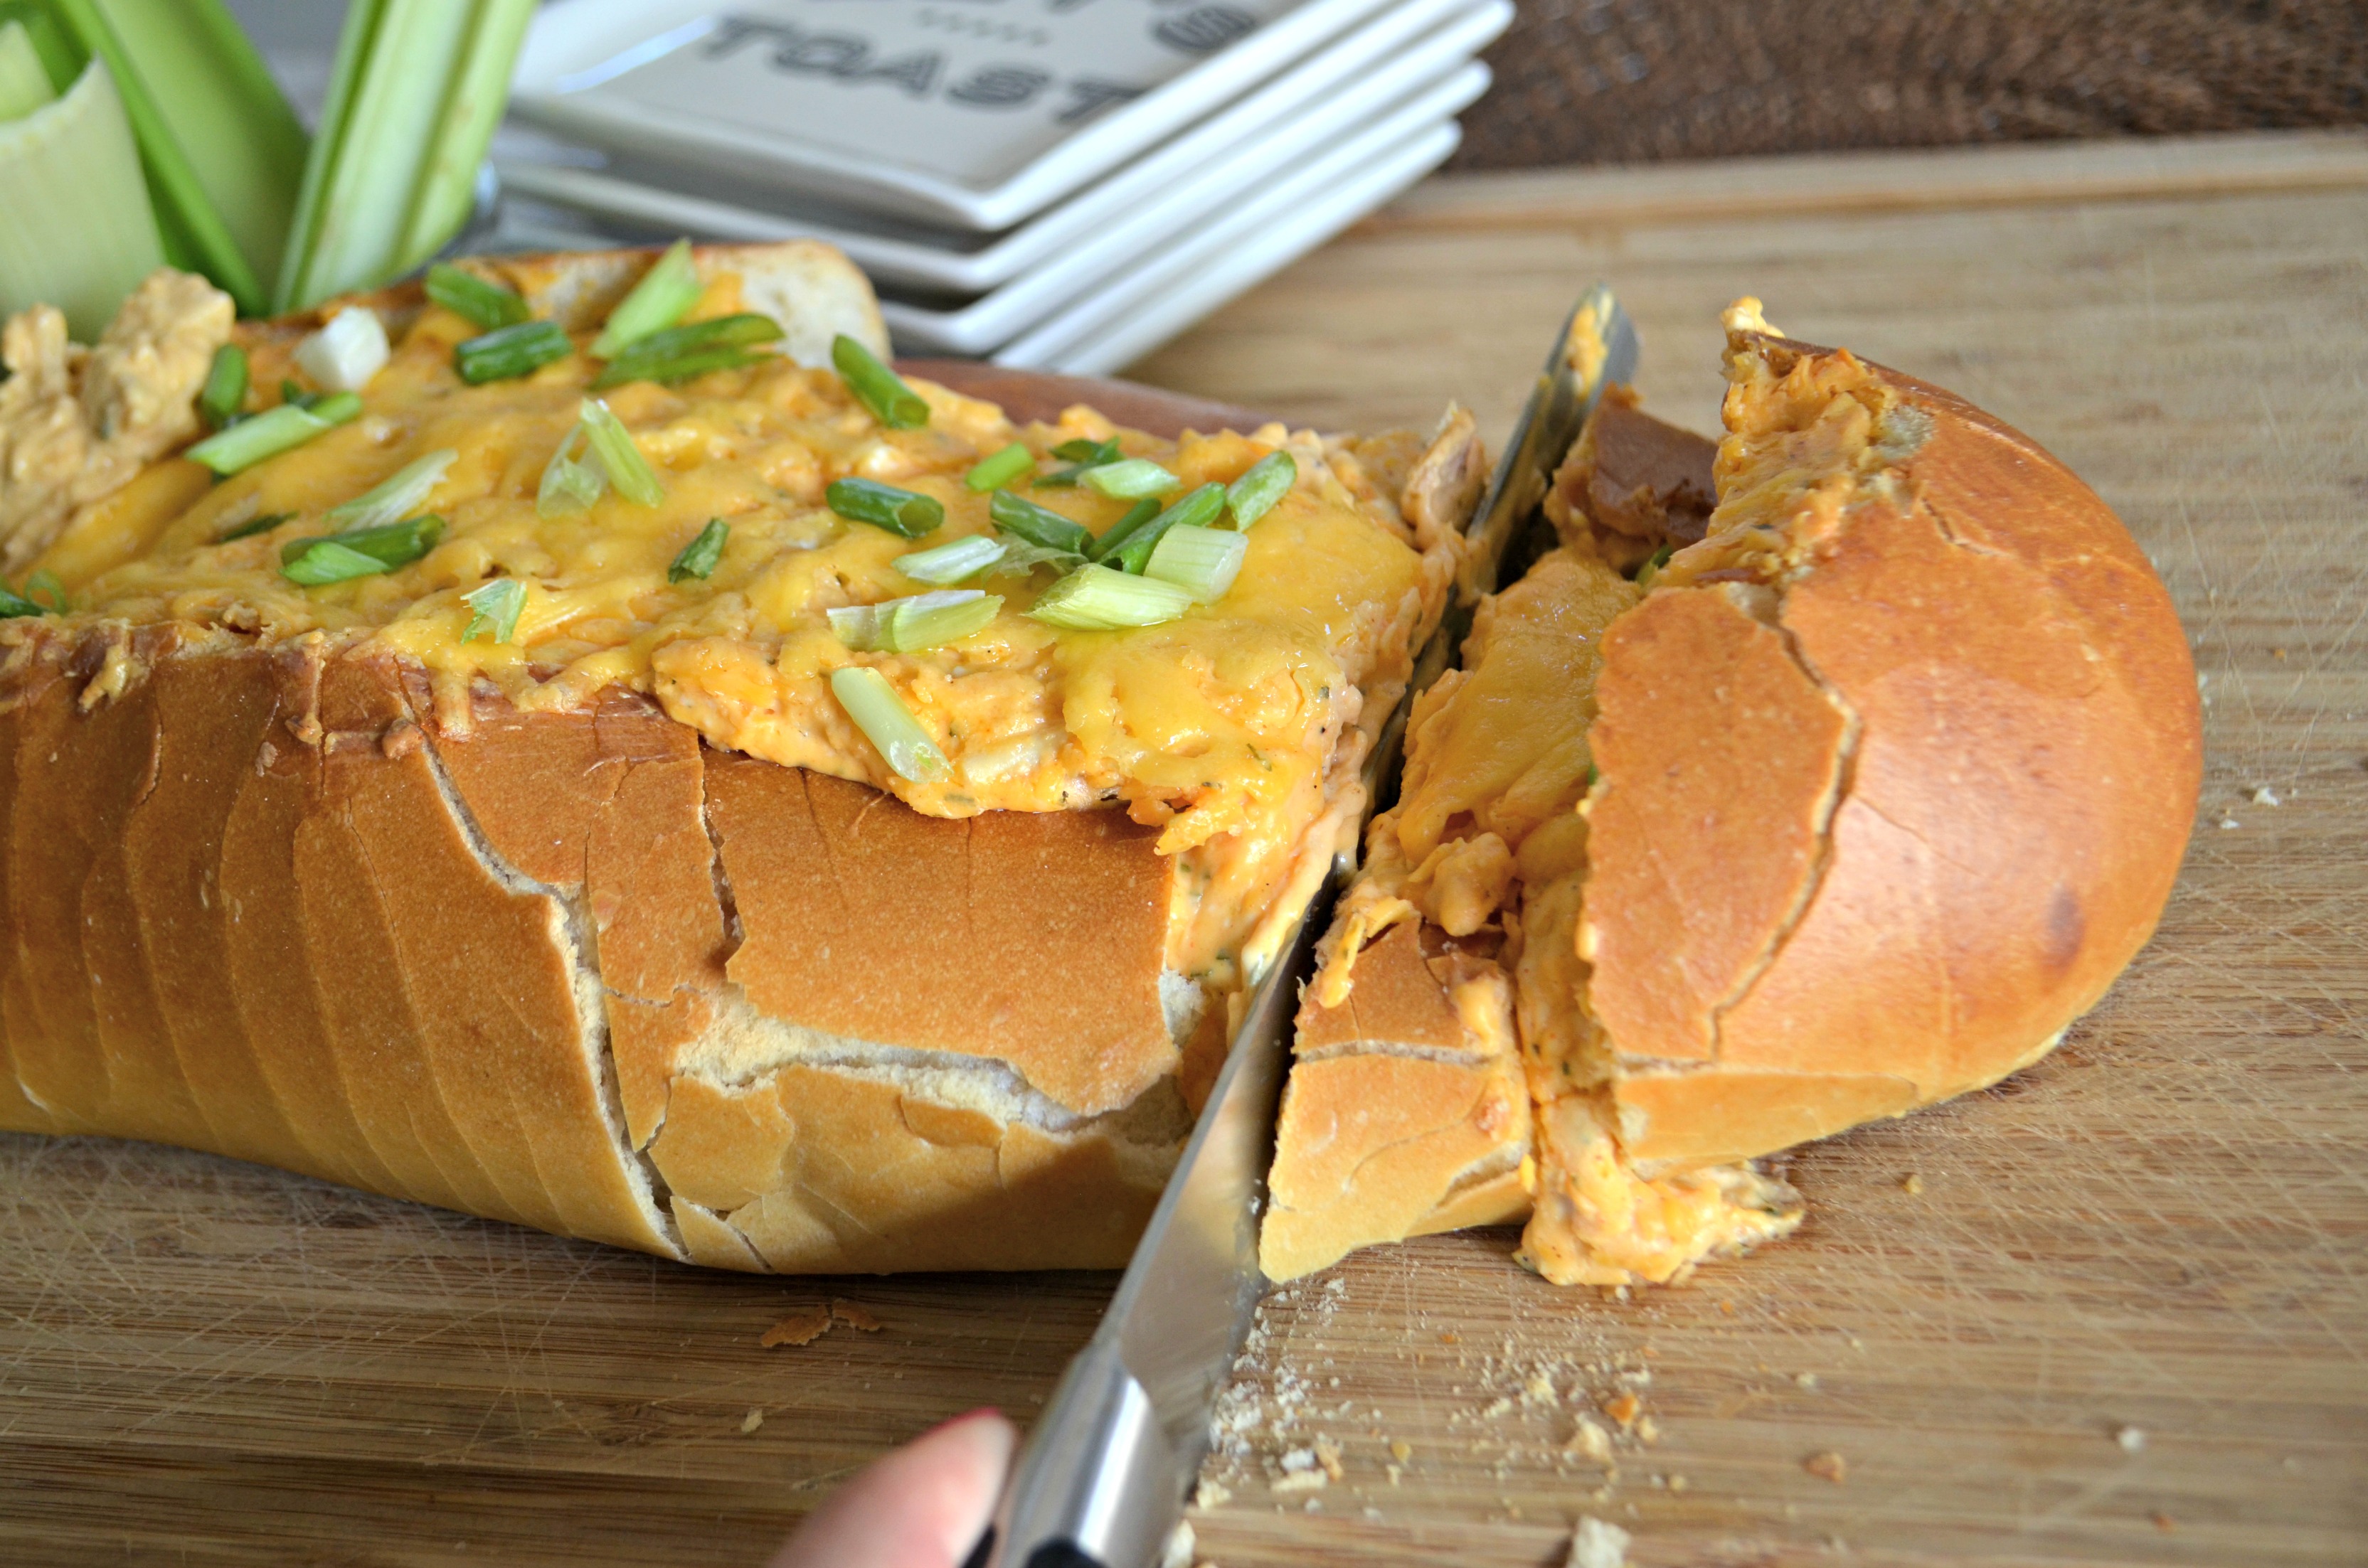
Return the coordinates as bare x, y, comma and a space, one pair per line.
1237, 727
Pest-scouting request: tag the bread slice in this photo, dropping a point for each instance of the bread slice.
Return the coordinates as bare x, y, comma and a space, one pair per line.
575, 968
1861, 790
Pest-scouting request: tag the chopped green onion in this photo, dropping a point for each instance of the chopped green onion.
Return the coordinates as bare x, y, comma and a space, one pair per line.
950, 564
570, 481
508, 352
253, 526
345, 354
396, 496
45, 583
885, 507
1132, 479
887, 723
1095, 598
477, 299
271, 432
313, 562
1263, 483
678, 352
1130, 542
224, 394
1019, 556
1593, 773
1038, 525
1082, 456
918, 622
1652, 568
877, 387
669, 288
699, 558
14, 603
630, 475
1202, 561
494, 607
995, 473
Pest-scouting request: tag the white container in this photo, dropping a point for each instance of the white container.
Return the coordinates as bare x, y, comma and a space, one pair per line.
995, 319
1136, 312
973, 113
1354, 77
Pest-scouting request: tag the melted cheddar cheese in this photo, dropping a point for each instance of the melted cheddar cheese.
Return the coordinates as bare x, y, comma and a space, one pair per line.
1237, 728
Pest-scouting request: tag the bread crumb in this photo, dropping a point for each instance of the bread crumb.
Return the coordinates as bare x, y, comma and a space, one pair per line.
1624, 1408
1806, 1381
2131, 1438
1212, 1494
1595, 1544
1590, 1441
1400, 1450
1497, 1408
2230, 821
802, 1328
1327, 1454
1827, 1466
1911, 1183
1648, 1431
2165, 1523
1302, 1481
1678, 1483
853, 1314
1451, 1337
751, 1421
2265, 796
1727, 1307
1298, 1461
1396, 1473
1180, 1547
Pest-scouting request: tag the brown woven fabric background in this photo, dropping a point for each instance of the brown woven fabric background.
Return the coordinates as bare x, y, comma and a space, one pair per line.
1630, 80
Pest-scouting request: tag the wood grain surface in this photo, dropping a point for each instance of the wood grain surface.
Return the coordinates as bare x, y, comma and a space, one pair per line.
2114, 1310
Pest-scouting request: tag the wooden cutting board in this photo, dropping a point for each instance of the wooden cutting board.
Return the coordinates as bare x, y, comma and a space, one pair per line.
2114, 1310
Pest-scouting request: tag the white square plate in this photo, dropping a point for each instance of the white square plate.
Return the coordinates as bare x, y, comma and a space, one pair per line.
1137, 311
989, 322
1350, 80
969, 112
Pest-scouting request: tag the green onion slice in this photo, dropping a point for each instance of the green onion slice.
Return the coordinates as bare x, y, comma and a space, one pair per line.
494, 609
995, 473
891, 403
1082, 456
253, 526
1201, 562
669, 288
272, 432
888, 725
14, 603
1019, 556
946, 565
1652, 568
396, 496
885, 507
677, 352
1263, 483
1130, 478
347, 350
224, 394
1038, 525
1129, 544
487, 305
509, 352
918, 622
1095, 598
363, 552
699, 558
43, 587
630, 473
570, 481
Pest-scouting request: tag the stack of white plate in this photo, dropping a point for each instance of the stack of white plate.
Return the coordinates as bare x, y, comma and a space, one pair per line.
1057, 184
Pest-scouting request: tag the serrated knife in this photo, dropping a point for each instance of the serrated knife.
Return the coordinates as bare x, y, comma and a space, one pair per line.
1101, 1479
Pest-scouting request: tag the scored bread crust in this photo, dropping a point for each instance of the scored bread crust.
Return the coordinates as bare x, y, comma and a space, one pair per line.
1879, 812
577, 970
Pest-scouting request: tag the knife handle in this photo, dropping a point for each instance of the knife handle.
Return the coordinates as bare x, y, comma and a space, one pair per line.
1095, 1484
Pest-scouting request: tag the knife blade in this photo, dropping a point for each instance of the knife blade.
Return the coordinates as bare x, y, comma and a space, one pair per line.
1101, 1479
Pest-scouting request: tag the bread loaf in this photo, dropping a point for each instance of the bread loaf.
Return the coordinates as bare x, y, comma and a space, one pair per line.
539, 949
1740, 832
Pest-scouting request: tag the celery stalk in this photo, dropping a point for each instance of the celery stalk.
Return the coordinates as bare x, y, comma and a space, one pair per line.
24, 86
79, 231
416, 89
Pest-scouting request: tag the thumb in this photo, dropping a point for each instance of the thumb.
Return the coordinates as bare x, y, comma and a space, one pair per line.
921, 1506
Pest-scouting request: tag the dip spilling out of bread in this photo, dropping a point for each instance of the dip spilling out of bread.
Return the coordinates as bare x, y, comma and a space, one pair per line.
451, 804
1813, 776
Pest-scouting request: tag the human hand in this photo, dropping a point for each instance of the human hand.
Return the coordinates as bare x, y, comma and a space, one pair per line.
924, 1506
